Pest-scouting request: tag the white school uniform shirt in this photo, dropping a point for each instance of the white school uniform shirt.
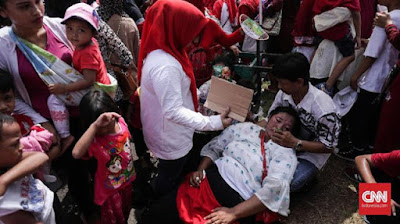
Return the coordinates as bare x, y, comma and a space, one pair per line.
30, 195
385, 53
237, 154
225, 20
167, 110
319, 121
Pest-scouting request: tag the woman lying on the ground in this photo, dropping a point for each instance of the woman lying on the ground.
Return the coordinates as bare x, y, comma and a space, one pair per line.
242, 178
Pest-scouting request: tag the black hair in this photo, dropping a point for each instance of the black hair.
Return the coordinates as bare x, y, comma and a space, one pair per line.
292, 66
296, 126
93, 104
89, 2
4, 21
227, 58
3, 3
5, 119
57, 8
113, 158
6, 82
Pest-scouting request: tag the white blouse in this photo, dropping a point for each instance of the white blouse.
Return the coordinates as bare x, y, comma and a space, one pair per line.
237, 154
167, 110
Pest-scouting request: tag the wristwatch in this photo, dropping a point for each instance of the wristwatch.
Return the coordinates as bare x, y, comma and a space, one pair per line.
299, 146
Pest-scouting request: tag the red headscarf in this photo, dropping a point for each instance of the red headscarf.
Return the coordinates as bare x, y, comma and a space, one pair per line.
248, 7
232, 8
303, 22
199, 4
170, 25
209, 4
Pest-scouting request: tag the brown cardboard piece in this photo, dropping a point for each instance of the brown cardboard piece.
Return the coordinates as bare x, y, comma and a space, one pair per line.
225, 94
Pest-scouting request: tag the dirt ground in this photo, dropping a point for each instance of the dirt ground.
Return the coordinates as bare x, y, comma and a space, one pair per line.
332, 199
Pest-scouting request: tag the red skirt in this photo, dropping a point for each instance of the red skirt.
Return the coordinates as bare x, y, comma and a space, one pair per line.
195, 203
117, 207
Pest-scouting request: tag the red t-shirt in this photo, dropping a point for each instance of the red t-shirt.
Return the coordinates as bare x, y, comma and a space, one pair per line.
115, 168
388, 162
90, 58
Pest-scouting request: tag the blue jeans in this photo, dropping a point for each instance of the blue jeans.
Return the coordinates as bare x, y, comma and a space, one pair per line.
304, 173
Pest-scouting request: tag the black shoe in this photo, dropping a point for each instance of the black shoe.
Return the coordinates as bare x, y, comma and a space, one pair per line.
353, 174
139, 213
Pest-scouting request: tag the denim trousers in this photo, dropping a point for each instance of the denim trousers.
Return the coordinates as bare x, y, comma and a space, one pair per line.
304, 173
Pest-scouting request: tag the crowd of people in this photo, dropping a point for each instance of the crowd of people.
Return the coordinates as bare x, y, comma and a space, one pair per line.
92, 93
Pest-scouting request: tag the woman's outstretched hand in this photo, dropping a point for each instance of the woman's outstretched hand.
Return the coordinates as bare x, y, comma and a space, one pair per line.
221, 215
226, 121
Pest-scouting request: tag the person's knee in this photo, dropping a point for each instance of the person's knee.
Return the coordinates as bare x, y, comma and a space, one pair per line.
305, 172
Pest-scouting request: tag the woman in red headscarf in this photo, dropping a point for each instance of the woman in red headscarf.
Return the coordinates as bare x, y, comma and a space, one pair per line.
212, 40
168, 88
248, 7
227, 22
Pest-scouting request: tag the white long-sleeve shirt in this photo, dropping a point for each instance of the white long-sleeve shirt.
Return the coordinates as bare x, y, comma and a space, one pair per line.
167, 110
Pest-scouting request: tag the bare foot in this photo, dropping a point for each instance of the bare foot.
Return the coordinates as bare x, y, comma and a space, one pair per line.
66, 143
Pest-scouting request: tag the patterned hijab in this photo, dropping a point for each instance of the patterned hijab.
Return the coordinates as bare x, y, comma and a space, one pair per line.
108, 8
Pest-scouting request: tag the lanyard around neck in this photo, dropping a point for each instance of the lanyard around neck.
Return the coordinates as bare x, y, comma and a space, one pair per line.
264, 172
